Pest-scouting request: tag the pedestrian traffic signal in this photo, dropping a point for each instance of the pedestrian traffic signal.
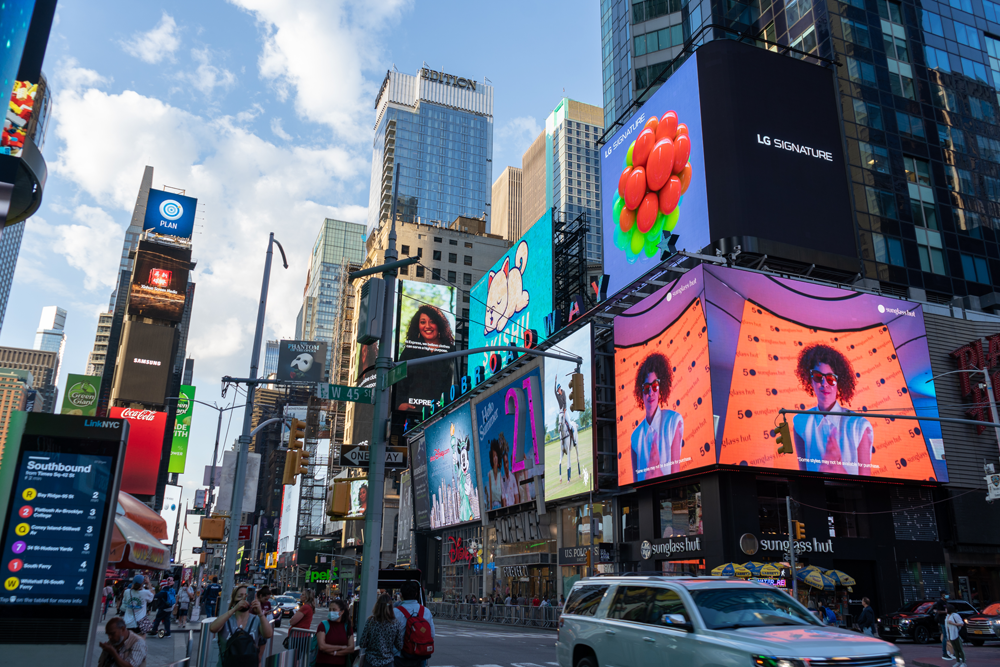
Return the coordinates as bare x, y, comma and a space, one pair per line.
798, 530
577, 399
291, 466
783, 437
297, 431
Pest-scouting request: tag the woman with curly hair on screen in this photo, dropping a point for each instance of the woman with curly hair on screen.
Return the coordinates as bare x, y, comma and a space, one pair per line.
428, 334
828, 443
656, 441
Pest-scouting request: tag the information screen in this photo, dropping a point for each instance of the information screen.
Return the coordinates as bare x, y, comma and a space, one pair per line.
54, 528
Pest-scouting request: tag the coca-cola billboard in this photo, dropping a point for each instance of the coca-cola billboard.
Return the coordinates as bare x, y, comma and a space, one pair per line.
143, 449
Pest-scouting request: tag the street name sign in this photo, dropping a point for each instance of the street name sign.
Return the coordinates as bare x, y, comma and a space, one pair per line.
339, 392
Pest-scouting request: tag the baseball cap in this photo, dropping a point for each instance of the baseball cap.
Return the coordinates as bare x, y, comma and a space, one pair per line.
138, 579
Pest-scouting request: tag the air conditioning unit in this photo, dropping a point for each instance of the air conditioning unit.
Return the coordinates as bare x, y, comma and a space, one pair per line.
370, 311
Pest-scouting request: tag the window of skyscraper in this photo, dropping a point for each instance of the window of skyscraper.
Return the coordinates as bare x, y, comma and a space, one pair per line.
975, 269
468, 245
405, 270
438, 239
452, 258
974, 70
891, 11
937, 59
964, 5
435, 274
873, 157
959, 180
910, 125
966, 34
888, 250
420, 272
861, 72
981, 109
467, 260
918, 175
420, 252
931, 22
856, 32
988, 148
930, 251
466, 278
452, 277
437, 255
452, 241
969, 222
944, 98
992, 11
405, 250
806, 41
867, 114
881, 203
901, 79
796, 9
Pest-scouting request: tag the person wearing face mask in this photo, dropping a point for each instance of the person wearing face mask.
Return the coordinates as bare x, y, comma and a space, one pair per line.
335, 636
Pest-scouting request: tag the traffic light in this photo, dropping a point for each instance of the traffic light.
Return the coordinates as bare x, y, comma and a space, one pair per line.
303, 463
297, 431
577, 399
783, 437
291, 467
798, 530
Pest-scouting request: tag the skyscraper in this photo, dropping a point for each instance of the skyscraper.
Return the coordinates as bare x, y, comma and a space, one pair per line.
10, 246
506, 218
440, 129
134, 231
97, 356
41, 365
51, 334
918, 92
14, 388
270, 358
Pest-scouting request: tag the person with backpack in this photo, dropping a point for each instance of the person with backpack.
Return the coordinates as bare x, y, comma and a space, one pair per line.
335, 636
165, 601
133, 608
382, 636
954, 623
240, 629
418, 628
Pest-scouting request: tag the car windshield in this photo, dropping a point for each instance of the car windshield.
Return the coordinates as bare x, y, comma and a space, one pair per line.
732, 608
916, 608
293, 595
284, 599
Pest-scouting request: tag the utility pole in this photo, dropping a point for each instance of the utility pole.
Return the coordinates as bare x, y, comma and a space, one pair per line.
372, 551
240, 476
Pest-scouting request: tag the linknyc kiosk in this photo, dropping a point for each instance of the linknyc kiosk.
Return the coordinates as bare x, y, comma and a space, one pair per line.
59, 478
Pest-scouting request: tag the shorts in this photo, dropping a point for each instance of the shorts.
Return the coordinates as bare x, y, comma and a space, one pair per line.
182, 608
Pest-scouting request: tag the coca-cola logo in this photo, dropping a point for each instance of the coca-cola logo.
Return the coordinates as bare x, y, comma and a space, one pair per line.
140, 415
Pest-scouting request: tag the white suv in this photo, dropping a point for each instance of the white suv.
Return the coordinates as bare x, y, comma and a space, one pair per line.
621, 621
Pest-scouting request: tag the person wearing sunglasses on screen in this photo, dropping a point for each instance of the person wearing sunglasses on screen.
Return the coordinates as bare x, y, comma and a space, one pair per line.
656, 441
828, 443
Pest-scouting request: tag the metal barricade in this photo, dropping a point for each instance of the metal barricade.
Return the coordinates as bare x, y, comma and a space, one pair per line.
208, 649
537, 617
280, 659
299, 640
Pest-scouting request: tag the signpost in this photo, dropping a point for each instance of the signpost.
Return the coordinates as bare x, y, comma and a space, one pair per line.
356, 456
339, 392
246, 532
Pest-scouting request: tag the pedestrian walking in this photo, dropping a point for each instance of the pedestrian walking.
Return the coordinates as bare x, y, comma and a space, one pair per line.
866, 620
940, 610
123, 648
134, 602
211, 597
954, 624
165, 600
184, 598
240, 629
382, 636
418, 628
109, 597
335, 636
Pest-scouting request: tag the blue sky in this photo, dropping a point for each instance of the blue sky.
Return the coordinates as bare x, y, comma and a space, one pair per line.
263, 110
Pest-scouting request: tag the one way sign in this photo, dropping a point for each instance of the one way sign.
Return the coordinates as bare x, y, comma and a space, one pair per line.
356, 456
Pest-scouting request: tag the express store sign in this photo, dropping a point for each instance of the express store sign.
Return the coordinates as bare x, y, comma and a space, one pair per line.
143, 450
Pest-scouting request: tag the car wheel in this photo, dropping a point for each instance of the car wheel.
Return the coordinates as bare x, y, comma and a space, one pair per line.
977, 642
921, 635
586, 661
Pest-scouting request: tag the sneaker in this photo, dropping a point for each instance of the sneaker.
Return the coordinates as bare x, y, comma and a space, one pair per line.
947, 657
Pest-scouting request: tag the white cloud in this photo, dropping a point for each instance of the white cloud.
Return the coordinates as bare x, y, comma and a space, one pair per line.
517, 134
83, 244
278, 130
207, 77
321, 50
69, 74
156, 44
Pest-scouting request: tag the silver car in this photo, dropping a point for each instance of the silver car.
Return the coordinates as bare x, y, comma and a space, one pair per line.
622, 621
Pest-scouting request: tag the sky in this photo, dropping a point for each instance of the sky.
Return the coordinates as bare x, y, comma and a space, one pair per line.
263, 110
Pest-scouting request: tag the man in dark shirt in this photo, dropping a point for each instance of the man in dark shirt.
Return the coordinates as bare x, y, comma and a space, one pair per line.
163, 608
940, 610
211, 597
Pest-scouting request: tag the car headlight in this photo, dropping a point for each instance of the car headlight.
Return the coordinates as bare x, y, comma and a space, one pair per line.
898, 661
905, 623
774, 661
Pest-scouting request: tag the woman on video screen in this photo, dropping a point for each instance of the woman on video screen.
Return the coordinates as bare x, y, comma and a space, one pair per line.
827, 443
656, 441
428, 333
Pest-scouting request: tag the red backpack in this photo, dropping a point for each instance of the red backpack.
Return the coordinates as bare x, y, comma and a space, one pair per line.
418, 640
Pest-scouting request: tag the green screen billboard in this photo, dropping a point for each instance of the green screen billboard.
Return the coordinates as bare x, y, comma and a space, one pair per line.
182, 430
81, 395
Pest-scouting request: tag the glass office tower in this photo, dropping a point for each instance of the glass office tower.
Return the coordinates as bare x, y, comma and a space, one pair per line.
440, 129
918, 88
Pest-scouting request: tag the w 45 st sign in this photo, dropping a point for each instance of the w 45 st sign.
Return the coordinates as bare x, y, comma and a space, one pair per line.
339, 392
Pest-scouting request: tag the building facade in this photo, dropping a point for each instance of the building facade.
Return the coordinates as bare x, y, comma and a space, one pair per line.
439, 129
270, 358
97, 356
51, 334
41, 365
14, 388
10, 247
506, 218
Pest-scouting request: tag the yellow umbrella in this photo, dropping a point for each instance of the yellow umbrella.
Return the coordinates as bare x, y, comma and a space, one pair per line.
769, 571
731, 570
841, 578
815, 577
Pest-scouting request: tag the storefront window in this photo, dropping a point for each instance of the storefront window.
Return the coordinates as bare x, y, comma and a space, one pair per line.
462, 559
630, 519
771, 508
680, 511
848, 512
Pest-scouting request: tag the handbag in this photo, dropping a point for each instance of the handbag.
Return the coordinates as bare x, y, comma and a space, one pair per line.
145, 625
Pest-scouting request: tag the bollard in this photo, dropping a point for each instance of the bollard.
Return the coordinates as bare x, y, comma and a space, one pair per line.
208, 648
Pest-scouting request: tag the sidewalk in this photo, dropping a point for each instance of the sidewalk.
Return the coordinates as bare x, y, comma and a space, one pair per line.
929, 655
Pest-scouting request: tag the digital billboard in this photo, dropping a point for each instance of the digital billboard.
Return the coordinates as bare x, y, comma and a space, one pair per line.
704, 364
426, 328
80, 397
145, 368
19, 112
301, 360
779, 343
171, 509
159, 281
569, 435
359, 499
404, 533
170, 213
684, 164
515, 295
363, 413
451, 469
182, 430
143, 449
421, 485
510, 438
663, 388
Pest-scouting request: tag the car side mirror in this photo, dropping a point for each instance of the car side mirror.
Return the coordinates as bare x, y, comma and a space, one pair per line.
677, 622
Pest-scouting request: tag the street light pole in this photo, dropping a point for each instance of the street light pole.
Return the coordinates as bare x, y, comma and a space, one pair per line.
239, 478
372, 551
989, 395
